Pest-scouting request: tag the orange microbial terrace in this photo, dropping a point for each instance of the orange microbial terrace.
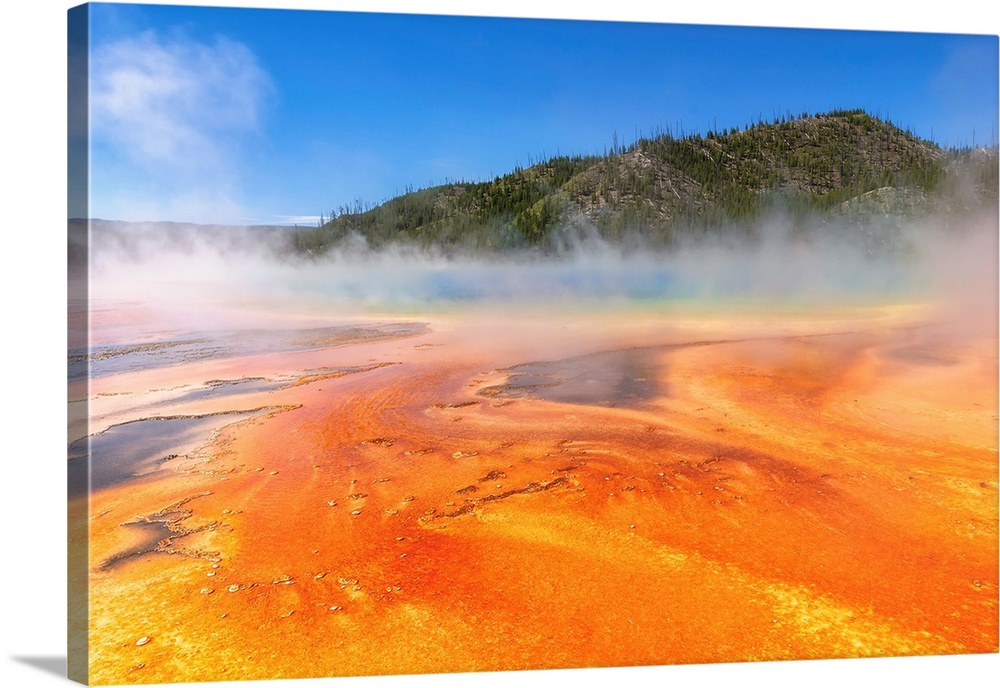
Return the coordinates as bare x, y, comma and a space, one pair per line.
485, 489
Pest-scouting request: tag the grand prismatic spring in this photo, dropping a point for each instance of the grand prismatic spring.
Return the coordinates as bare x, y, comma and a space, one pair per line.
437, 466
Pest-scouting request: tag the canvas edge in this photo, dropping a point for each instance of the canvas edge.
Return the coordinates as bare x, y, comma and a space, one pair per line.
77, 312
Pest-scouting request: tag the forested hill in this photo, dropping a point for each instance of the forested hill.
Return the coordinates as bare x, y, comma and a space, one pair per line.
660, 188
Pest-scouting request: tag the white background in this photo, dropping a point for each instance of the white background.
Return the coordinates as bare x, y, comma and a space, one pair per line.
33, 367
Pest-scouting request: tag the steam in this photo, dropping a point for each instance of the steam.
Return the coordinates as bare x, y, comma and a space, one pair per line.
925, 260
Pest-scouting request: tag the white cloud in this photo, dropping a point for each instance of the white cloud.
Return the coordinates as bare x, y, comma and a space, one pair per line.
169, 119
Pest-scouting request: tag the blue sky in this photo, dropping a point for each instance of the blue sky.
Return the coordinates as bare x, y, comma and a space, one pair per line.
251, 116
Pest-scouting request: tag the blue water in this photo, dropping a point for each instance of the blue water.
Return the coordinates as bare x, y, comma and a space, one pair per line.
127, 451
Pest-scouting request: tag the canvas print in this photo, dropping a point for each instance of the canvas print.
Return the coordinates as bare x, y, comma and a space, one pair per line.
407, 344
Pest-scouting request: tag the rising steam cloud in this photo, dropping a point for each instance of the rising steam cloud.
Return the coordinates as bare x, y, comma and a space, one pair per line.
930, 260
171, 116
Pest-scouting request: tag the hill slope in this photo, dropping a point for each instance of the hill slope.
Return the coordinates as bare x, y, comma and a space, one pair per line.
661, 188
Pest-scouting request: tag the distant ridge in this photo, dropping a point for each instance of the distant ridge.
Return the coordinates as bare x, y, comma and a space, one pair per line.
663, 188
